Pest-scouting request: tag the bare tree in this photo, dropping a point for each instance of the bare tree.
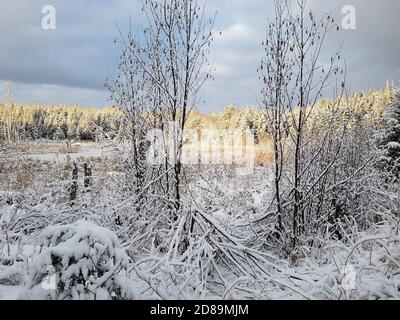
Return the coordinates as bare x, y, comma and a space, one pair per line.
127, 91
11, 117
163, 67
294, 79
310, 82
275, 76
181, 34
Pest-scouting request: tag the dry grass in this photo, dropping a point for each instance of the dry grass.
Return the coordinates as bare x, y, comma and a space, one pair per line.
43, 147
16, 175
24, 179
264, 153
68, 149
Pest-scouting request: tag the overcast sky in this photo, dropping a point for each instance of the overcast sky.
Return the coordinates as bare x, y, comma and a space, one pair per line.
68, 65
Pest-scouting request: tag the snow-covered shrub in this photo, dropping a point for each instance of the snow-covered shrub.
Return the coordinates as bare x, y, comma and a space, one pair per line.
78, 261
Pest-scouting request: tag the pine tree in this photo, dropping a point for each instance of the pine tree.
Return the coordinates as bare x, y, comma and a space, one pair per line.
389, 141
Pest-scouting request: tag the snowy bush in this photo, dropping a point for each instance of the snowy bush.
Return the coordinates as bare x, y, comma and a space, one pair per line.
78, 261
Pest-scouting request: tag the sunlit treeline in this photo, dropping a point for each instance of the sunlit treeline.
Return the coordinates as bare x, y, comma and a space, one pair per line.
32, 122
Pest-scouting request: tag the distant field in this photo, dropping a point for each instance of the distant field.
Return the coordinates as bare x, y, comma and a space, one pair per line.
52, 151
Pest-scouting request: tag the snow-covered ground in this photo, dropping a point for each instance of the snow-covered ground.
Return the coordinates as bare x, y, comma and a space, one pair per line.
102, 247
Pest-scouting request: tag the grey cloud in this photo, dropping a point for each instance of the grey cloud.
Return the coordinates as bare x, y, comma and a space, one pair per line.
55, 94
77, 54
372, 50
73, 61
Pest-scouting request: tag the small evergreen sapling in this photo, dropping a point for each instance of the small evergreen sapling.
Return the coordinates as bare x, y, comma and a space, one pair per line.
86, 262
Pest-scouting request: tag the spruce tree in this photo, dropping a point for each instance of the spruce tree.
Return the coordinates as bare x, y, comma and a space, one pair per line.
389, 142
